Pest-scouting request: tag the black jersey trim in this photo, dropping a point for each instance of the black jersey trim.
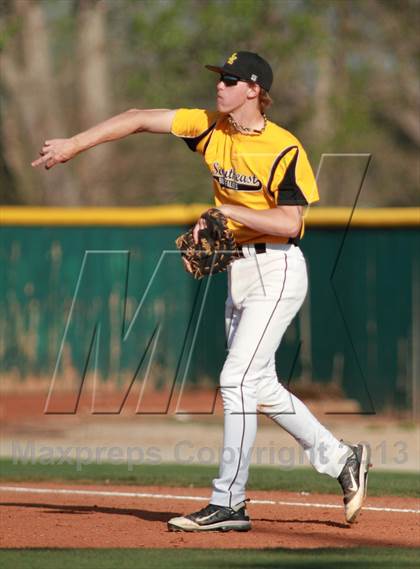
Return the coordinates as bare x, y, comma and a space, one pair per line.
288, 191
192, 143
293, 200
275, 165
208, 140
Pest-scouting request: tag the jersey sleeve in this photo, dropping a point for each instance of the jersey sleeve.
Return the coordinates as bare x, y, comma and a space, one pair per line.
292, 181
195, 127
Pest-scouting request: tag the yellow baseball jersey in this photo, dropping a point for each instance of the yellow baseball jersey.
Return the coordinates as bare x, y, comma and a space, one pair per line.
259, 171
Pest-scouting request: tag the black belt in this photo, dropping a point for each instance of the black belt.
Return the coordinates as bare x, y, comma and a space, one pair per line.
259, 248
262, 247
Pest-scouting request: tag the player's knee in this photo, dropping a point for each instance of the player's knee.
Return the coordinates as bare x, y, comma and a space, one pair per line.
235, 388
228, 378
239, 399
230, 390
240, 371
231, 399
274, 399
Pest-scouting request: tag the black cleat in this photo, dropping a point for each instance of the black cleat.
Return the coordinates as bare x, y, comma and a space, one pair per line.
213, 518
353, 480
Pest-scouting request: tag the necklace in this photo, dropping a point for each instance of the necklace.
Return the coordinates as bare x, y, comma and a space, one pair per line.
244, 129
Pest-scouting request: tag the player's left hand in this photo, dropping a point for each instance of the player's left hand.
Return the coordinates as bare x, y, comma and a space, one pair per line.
211, 249
201, 223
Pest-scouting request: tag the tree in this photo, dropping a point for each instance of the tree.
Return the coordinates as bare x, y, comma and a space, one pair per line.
346, 81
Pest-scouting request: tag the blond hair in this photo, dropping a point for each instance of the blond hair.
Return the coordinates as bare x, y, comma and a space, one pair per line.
264, 100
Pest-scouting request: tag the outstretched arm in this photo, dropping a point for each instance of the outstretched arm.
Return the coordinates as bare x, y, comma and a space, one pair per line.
61, 150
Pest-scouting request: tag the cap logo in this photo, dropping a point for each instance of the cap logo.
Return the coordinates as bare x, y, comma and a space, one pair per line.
254, 77
232, 58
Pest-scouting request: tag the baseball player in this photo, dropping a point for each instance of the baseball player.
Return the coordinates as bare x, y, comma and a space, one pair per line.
262, 182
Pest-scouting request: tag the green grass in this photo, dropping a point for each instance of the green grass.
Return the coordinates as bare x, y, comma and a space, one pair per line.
261, 478
362, 558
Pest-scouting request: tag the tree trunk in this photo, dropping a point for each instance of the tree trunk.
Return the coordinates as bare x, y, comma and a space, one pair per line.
32, 86
94, 98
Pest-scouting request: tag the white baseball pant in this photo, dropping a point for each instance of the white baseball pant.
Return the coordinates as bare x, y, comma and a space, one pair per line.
265, 293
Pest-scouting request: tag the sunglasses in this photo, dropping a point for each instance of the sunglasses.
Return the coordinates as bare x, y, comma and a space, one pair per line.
229, 80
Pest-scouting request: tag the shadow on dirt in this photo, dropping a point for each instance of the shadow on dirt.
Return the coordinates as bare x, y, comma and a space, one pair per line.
76, 510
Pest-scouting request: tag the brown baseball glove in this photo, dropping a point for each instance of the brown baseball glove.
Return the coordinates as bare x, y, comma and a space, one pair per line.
215, 250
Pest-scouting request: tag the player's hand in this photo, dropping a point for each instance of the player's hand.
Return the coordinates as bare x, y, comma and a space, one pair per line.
56, 151
201, 224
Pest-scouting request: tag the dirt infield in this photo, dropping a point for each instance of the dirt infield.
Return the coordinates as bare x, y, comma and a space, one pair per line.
23, 423
122, 516
119, 516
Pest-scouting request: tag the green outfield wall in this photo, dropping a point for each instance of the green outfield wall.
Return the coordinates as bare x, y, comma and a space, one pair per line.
104, 290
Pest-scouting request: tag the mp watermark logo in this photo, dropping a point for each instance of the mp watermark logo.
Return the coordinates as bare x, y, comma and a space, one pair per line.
143, 329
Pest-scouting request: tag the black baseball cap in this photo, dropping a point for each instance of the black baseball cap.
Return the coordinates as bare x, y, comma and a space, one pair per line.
247, 66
